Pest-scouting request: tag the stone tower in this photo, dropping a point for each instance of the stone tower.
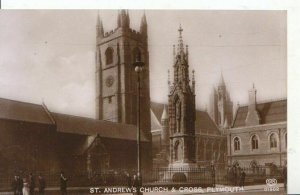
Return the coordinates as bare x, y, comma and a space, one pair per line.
181, 111
221, 105
115, 76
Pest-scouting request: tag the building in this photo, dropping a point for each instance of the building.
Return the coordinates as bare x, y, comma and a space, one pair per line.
221, 106
258, 136
34, 139
116, 89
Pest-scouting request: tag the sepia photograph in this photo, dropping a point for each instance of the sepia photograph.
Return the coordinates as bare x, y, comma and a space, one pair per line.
143, 102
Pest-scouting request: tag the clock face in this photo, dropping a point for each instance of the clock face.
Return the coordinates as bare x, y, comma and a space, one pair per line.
109, 81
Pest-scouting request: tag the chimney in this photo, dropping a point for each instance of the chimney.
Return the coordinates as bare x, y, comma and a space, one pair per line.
252, 115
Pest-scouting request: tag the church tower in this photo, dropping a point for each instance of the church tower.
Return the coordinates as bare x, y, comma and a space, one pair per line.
221, 105
181, 111
116, 89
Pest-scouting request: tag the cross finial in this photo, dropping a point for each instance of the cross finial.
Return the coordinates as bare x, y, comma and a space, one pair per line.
180, 30
180, 41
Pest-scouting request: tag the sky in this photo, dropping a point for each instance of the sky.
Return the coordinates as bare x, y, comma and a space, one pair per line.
49, 56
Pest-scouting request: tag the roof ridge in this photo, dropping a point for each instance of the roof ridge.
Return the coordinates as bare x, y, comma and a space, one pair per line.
19, 101
98, 120
48, 112
265, 101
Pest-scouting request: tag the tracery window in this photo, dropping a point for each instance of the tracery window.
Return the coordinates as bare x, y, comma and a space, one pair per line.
109, 55
273, 141
237, 144
254, 142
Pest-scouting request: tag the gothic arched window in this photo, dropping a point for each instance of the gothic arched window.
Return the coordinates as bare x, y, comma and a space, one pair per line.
273, 141
254, 142
137, 55
237, 143
109, 55
176, 148
178, 115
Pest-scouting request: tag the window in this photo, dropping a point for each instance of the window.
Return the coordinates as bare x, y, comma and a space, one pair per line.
176, 152
273, 141
236, 142
109, 55
136, 54
254, 142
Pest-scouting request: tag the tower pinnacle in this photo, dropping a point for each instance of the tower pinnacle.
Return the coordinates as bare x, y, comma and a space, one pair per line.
100, 29
143, 26
221, 82
180, 41
123, 19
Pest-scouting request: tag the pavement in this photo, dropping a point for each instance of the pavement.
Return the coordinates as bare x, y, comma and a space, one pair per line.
219, 189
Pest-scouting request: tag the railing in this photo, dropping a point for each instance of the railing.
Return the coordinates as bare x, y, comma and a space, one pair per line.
203, 177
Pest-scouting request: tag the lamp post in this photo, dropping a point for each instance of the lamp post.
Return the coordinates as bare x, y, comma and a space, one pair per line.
138, 67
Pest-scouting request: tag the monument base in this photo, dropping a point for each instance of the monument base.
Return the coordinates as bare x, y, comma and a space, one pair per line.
182, 165
180, 172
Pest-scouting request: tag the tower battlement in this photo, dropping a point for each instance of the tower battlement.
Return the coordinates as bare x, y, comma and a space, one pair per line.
116, 90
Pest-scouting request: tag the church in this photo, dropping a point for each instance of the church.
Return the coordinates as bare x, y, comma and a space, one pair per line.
34, 139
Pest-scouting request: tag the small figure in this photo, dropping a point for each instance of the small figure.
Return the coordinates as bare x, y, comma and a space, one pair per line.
63, 184
14, 185
42, 185
129, 182
284, 175
213, 175
20, 186
31, 184
242, 178
25, 189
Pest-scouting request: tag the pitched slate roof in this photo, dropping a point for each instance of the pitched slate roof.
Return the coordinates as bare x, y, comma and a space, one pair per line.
157, 109
203, 122
34, 113
87, 126
269, 112
22, 111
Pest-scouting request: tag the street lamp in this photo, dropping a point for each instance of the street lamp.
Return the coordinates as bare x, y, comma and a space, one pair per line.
138, 67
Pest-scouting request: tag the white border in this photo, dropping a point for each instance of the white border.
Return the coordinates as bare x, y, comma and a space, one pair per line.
292, 6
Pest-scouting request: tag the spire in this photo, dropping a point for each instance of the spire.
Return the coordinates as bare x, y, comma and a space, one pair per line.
221, 83
174, 54
127, 18
100, 29
143, 26
193, 81
164, 115
180, 41
169, 81
123, 19
119, 19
